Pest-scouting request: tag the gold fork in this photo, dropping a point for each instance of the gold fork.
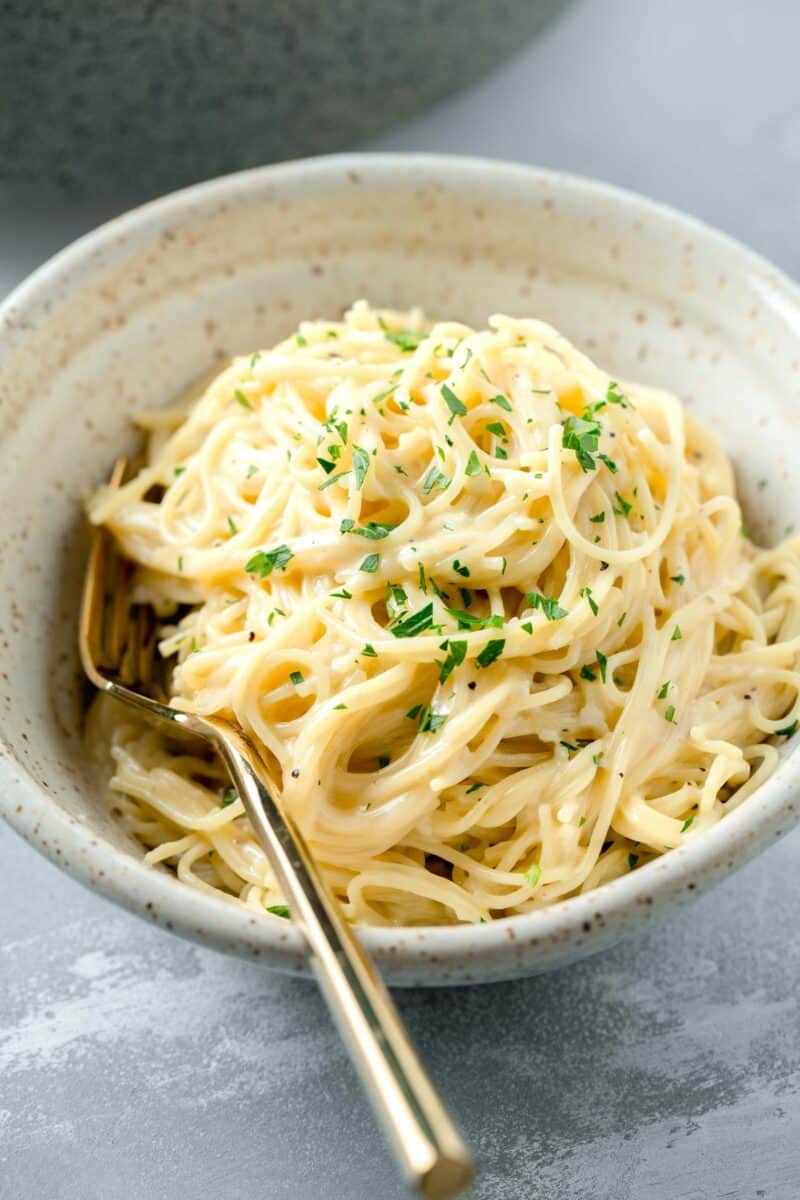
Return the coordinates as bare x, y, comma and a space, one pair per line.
117, 642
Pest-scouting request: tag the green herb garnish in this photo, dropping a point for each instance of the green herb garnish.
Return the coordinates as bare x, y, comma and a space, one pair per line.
405, 339
265, 562
456, 653
360, 466
473, 466
456, 406
586, 594
583, 437
434, 479
417, 623
550, 607
491, 652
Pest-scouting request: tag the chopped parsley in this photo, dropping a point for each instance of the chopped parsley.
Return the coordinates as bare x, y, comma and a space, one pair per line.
632, 861
583, 437
343, 594
533, 874
405, 339
475, 787
788, 730
179, 471
497, 428
679, 579
434, 479
550, 607
369, 651
587, 673
597, 519
265, 562
473, 466
326, 465
253, 470
612, 466
624, 507
687, 823
669, 714
360, 466
232, 526
586, 594
491, 652
417, 623
296, 677
279, 910
615, 396
501, 402
466, 620
228, 797
456, 406
602, 663
460, 569
333, 479
370, 564
431, 722
242, 399
662, 695
371, 530
676, 634
456, 653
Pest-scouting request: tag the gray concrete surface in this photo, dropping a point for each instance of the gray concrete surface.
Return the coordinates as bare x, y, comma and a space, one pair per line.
133, 1065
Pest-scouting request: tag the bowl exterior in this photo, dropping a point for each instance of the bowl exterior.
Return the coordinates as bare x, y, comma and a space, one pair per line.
97, 96
126, 317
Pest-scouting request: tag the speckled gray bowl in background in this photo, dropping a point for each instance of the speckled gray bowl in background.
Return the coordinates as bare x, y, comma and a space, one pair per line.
128, 316
141, 96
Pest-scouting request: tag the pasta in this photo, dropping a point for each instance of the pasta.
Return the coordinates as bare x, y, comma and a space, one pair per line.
491, 617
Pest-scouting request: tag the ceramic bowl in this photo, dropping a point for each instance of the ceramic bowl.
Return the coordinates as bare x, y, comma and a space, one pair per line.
127, 316
100, 96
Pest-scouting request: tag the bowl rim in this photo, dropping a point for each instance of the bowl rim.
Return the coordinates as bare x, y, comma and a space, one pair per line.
416, 954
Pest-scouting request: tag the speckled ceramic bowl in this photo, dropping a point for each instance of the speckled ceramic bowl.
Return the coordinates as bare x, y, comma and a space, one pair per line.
102, 95
131, 313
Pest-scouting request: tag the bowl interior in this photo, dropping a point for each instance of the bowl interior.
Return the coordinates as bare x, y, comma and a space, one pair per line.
126, 318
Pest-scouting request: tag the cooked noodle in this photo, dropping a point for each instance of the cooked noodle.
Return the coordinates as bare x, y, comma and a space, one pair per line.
491, 616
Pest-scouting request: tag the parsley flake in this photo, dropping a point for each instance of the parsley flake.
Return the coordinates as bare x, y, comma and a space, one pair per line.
583, 437
491, 652
434, 479
360, 466
417, 623
550, 607
473, 466
456, 653
265, 562
456, 406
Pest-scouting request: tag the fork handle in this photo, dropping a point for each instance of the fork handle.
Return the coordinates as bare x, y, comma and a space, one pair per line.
424, 1138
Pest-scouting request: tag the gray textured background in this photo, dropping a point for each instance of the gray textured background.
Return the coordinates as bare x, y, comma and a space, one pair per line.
133, 1065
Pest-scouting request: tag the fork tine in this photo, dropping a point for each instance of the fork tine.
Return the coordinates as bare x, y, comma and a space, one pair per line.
147, 643
118, 614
